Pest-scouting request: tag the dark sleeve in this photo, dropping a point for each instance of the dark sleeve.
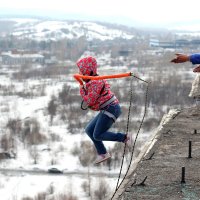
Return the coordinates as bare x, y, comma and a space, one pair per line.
195, 58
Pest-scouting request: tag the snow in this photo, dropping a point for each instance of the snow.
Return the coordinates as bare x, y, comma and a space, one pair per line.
30, 183
59, 185
54, 30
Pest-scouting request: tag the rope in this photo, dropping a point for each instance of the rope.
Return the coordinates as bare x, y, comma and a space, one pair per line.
83, 107
127, 129
133, 148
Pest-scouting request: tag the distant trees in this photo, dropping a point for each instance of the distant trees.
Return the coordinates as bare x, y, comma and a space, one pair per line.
14, 125
8, 139
86, 186
7, 142
66, 105
27, 91
100, 189
34, 136
87, 153
27, 131
64, 95
171, 91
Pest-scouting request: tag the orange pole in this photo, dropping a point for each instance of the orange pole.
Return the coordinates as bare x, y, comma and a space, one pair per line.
78, 79
78, 76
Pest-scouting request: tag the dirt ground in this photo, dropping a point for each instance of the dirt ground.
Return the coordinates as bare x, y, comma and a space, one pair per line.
159, 173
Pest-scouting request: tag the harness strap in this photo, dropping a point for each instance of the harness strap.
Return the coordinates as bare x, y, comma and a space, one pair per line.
102, 89
113, 98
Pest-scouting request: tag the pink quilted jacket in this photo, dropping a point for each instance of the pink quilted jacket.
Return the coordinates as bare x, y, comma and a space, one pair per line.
95, 96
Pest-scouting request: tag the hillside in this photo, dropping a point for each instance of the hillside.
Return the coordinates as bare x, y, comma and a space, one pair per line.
44, 29
158, 172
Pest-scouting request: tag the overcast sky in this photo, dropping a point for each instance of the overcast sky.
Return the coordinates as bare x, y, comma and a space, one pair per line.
144, 12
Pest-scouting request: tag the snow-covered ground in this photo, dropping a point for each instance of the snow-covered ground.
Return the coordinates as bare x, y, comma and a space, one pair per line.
25, 185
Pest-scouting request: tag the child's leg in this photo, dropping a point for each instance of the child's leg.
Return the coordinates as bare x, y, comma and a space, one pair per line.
101, 132
89, 130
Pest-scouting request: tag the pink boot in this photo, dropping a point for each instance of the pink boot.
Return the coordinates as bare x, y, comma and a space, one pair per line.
102, 157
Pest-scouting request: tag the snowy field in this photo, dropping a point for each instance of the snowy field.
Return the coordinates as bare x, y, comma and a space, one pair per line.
24, 185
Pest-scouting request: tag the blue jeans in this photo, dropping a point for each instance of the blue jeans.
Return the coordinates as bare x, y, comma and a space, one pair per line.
97, 129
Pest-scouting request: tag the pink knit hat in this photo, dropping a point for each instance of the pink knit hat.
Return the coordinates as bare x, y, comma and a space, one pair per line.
87, 65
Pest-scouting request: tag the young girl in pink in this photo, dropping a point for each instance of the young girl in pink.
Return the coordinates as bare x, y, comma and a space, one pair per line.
99, 97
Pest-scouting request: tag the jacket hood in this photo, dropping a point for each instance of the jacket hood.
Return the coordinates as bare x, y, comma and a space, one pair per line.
87, 66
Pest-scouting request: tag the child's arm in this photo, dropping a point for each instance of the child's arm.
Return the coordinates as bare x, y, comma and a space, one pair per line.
92, 93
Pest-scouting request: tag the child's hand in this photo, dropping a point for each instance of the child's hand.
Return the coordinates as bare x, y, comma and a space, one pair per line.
180, 58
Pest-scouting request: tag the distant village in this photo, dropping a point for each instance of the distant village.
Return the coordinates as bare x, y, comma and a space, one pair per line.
20, 57
179, 43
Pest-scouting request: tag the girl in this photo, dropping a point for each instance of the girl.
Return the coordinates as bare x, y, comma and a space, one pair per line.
98, 97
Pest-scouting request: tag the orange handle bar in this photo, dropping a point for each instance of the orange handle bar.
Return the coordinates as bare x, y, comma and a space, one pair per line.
78, 77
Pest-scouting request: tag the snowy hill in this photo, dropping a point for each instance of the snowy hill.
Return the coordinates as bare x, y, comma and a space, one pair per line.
38, 29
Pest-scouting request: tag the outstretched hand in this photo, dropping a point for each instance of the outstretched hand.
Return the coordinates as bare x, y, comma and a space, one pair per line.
180, 58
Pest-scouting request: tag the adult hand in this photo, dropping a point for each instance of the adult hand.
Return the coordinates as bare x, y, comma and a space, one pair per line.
180, 58
196, 69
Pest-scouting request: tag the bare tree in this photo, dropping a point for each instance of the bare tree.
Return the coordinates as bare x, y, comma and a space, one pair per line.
33, 151
51, 189
27, 198
33, 135
41, 196
87, 154
86, 185
64, 95
14, 125
6, 142
102, 190
66, 197
52, 108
